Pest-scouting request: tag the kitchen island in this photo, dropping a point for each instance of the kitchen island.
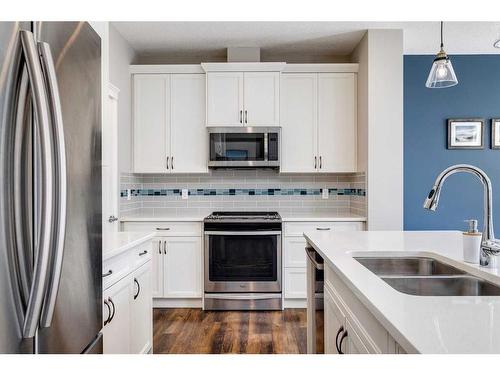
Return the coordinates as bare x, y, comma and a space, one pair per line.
376, 318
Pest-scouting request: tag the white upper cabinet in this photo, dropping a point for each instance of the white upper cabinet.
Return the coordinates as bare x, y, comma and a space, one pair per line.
225, 99
337, 124
151, 122
299, 104
188, 135
319, 122
243, 98
261, 98
169, 123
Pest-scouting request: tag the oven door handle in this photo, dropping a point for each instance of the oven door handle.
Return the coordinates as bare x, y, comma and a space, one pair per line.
251, 233
310, 254
248, 296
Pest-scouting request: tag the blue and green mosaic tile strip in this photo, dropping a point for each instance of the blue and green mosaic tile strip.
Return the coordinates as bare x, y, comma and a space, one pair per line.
218, 192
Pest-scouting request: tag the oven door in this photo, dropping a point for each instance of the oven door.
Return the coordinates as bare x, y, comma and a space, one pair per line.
243, 261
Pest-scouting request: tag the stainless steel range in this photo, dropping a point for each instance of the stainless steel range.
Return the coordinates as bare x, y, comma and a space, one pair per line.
243, 261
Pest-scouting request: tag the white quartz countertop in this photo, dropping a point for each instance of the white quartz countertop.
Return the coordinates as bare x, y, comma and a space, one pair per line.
462, 324
117, 242
286, 217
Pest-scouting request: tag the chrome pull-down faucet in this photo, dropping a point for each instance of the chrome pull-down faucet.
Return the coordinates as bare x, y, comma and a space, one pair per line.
490, 246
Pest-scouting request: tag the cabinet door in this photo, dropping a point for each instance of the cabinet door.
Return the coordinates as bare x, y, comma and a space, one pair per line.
157, 267
225, 99
294, 252
334, 324
295, 283
337, 124
151, 122
299, 109
141, 322
188, 138
117, 331
182, 270
353, 343
261, 98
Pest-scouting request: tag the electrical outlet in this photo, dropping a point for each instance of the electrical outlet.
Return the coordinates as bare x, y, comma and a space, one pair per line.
324, 193
185, 194
129, 194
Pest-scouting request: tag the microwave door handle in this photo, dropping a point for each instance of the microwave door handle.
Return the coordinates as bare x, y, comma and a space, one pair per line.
43, 252
61, 183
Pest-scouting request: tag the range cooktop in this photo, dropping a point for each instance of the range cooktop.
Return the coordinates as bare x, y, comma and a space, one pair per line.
242, 216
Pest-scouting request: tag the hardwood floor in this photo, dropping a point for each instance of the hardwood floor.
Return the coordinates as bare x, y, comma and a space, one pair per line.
194, 331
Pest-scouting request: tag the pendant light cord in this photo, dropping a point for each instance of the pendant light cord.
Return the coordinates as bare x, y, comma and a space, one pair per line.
442, 35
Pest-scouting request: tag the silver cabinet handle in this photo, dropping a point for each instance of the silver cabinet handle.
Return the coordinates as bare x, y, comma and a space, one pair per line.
241, 117
311, 255
323, 228
159, 247
112, 219
171, 162
246, 116
160, 228
164, 247
315, 162
168, 157
320, 162
143, 253
109, 273
341, 329
41, 107
60, 192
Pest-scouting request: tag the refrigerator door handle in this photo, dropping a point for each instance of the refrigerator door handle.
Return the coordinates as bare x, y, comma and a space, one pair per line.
60, 175
22, 225
42, 116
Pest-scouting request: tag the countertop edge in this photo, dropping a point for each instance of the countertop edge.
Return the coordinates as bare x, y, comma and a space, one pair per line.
285, 219
121, 249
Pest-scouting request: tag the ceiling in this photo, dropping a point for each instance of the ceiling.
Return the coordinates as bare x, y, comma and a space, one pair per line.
312, 38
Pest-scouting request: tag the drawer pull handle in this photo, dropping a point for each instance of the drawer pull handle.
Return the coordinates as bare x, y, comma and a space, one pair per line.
138, 288
341, 329
323, 228
109, 312
344, 335
114, 310
143, 253
109, 273
162, 228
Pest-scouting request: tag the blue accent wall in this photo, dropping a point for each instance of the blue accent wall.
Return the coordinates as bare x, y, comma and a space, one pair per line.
477, 95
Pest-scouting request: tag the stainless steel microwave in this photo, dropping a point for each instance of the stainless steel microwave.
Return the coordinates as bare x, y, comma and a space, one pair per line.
244, 147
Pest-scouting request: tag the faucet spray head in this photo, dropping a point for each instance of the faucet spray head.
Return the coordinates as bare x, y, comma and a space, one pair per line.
432, 200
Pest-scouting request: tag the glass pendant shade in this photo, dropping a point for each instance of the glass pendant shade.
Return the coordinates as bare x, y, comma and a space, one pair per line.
442, 74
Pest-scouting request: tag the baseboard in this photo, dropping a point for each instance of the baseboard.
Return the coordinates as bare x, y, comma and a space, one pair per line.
295, 303
164, 303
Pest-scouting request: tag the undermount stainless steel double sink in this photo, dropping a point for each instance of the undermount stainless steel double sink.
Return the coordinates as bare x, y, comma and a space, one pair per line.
425, 276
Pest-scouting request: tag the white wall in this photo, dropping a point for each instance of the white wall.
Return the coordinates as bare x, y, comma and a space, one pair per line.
380, 125
121, 55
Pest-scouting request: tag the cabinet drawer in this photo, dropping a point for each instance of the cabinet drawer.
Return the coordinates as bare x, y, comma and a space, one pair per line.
115, 269
298, 228
294, 252
295, 283
141, 254
165, 228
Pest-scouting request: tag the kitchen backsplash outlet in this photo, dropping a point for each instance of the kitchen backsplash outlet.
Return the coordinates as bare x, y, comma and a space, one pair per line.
157, 194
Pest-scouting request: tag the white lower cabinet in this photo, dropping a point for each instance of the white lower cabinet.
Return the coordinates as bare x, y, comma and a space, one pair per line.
349, 327
182, 268
141, 317
117, 322
294, 256
127, 307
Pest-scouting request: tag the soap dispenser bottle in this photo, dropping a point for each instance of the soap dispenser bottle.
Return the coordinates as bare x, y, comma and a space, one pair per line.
472, 242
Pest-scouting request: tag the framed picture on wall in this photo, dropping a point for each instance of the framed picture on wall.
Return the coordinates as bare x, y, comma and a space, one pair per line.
495, 133
465, 134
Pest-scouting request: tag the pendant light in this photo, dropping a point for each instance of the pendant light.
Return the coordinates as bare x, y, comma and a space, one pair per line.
442, 74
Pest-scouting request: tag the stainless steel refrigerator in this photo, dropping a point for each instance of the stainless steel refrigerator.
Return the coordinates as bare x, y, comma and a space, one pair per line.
50, 188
